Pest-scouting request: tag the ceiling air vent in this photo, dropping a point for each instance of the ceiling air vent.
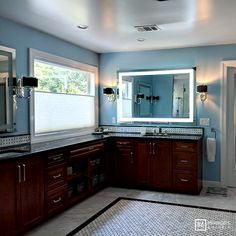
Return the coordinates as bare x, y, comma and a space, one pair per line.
142, 28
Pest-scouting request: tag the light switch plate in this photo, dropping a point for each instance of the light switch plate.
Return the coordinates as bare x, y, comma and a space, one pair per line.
205, 121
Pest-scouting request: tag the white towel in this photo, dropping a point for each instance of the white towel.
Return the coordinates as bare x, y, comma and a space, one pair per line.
211, 149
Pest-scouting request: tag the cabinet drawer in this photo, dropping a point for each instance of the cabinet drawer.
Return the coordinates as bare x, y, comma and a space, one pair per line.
54, 158
56, 176
185, 181
185, 160
88, 150
184, 146
55, 200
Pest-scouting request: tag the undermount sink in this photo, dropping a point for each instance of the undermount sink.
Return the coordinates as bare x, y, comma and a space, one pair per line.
155, 134
12, 152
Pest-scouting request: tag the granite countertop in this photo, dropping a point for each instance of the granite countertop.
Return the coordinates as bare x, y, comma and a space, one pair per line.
28, 149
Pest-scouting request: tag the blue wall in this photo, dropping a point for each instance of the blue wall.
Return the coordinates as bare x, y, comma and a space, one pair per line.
209, 71
22, 38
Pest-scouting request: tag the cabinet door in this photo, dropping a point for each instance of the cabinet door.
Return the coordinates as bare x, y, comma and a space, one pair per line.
7, 198
144, 152
125, 166
31, 191
161, 165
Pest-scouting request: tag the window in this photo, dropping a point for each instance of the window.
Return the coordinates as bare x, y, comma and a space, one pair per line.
64, 104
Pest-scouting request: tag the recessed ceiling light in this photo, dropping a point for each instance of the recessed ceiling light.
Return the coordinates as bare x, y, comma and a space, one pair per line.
141, 39
82, 27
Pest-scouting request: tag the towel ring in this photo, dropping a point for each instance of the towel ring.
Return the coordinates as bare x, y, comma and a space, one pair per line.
213, 131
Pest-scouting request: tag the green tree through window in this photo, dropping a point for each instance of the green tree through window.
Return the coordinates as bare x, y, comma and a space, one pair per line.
59, 79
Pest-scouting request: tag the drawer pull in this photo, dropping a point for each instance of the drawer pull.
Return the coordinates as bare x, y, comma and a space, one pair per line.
56, 176
184, 161
57, 200
184, 180
123, 143
56, 158
184, 146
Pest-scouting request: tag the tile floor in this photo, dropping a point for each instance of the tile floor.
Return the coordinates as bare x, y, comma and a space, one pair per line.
71, 218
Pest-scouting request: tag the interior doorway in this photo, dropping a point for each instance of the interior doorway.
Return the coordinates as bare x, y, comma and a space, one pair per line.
228, 148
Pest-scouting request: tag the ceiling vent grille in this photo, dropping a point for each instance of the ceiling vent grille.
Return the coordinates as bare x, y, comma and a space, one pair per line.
147, 28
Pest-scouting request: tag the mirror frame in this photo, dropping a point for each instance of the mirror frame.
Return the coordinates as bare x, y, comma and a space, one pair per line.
9, 126
189, 119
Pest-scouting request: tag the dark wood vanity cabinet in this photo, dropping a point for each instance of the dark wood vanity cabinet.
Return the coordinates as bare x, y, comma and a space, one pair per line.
124, 162
22, 194
187, 166
86, 170
55, 182
36, 187
154, 163
159, 164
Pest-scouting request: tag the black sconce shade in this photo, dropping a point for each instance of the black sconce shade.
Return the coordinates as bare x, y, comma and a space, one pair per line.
140, 95
202, 88
152, 98
29, 81
108, 91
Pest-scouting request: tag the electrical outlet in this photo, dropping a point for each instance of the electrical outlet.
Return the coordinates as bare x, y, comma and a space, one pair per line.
113, 120
205, 121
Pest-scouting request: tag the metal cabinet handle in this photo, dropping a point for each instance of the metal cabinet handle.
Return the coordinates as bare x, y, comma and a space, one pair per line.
24, 174
57, 200
150, 148
19, 173
56, 176
153, 148
56, 158
184, 146
184, 180
131, 157
184, 161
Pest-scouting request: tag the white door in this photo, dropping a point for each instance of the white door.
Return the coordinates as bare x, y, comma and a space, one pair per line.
230, 126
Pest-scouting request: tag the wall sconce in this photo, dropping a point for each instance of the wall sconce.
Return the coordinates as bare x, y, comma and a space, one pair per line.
138, 98
152, 99
202, 89
110, 93
22, 87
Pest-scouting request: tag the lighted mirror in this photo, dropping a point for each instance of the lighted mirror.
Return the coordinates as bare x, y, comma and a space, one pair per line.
156, 96
7, 71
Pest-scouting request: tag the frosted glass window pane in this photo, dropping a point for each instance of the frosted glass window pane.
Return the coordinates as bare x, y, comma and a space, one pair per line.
56, 112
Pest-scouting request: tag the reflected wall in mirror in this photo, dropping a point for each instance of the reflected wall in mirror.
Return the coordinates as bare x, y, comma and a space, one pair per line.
7, 71
156, 96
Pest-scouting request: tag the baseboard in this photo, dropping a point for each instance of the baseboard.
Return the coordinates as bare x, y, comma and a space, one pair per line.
207, 183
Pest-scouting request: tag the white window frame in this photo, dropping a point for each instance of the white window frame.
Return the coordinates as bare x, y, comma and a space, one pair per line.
43, 56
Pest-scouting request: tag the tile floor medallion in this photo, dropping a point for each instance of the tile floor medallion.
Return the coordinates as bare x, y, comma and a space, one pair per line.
70, 219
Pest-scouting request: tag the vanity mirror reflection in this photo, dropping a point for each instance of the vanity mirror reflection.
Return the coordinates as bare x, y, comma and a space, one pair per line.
7, 71
156, 96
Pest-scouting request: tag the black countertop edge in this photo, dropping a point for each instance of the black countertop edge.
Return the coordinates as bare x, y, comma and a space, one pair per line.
35, 148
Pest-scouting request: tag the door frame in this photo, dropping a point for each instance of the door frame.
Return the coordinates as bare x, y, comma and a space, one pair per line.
224, 134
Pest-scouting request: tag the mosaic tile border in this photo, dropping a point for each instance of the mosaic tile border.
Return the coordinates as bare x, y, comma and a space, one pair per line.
14, 140
164, 129
76, 230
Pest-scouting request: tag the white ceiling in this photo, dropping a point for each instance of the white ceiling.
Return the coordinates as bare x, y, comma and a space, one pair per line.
183, 23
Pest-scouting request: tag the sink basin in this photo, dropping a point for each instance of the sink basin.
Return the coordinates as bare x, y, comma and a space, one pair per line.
9, 154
